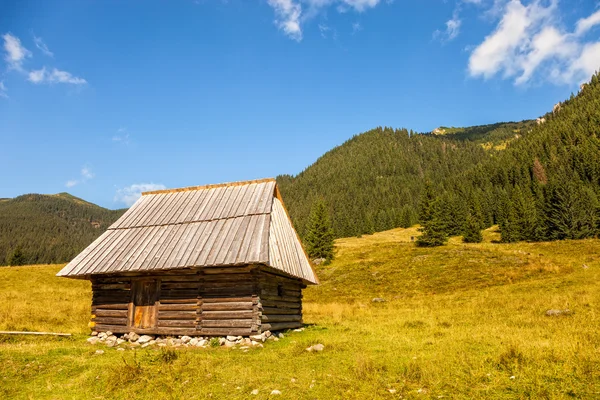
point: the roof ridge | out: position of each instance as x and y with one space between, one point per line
211 186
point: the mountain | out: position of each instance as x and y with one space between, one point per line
373 181
41 229
543 174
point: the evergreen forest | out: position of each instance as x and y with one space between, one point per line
538 180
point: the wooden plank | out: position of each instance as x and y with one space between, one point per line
176 323
223 299
111 321
227 306
162 315
109 306
178 285
277 326
237 314
280 310
229 270
111 286
288 299
279 304
280 318
177 307
174 301
110 313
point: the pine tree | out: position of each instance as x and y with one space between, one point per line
433 227
472 230
319 238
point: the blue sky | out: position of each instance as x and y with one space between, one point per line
104 99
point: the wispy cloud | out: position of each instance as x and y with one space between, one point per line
130 194
452 29
54 76
39 43
16 53
287 18
3 90
122 136
84 175
528 42
290 15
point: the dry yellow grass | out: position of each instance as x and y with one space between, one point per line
460 322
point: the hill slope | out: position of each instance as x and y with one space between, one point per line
50 228
519 175
458 322
373 181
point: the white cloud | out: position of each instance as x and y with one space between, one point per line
130 194
528 43
55 76
122 136
585 24
3 90
85 175
452 29
39 43
290 15
15 52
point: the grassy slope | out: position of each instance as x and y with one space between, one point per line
459 322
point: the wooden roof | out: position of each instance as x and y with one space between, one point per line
205 226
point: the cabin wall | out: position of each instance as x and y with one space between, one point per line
280 302
206 302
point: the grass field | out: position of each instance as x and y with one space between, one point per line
459 322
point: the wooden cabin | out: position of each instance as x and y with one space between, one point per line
208 260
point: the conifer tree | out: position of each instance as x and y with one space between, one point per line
319 237
432 223
472 230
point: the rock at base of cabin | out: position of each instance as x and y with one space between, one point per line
378 300
133 337
145 339
256 338
193 341
280 335
102 335
185 339
94 333
93 340
109 333
119 341
316 347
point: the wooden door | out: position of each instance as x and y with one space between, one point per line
145 297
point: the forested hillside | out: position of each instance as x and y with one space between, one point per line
37 228
373 182
539 182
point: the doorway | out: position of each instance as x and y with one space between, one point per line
144 300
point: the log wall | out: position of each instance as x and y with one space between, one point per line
206 302
280 301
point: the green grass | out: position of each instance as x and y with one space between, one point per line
459 322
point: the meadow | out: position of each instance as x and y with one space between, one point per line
463 321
